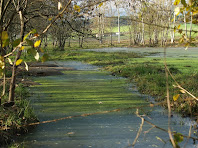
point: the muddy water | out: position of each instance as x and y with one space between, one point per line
88 90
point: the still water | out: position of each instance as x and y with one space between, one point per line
87 90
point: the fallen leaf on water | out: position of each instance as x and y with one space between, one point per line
152 105
100 102
70 133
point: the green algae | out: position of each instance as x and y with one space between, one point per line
78 92
148 72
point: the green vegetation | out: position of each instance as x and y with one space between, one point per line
13 119
152 23
83 92
148 72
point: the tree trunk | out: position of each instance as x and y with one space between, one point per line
185 24
69 42
79 40
155 37
150 36
191 19
135 33
14 68
1 50
130 36
142 40
62 45
111 39
173 32
45 41
82 41
118 25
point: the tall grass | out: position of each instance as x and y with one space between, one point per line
14 118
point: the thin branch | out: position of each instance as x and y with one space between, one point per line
6 7
162 129
140 129
81 31
44 31
14 4
178 85
10 21
168 102
89 114
47 28
97 113
146 132
160 26
189 134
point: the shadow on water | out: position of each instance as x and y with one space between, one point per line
88 90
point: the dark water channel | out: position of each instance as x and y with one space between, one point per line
88 90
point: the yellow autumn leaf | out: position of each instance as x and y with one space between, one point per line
175 97
22 47
18 62
2 63
190 2
4 35
187 45
37 43
178 26
26 36
181 40
177 2
5 38
195 12
1 73
100 4
175 29
77 8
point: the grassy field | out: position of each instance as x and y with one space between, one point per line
91 43
124 29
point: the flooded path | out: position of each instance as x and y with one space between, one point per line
87 90
176 52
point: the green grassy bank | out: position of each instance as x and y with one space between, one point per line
148 73
13 119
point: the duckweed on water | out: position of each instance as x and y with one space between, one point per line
83 92
148 72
